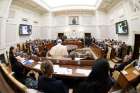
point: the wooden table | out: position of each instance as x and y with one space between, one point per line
68 68
128 79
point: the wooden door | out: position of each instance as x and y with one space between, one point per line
87 34
60 35
137 46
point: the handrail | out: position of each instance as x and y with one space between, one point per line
17 86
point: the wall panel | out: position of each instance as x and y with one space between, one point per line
11 33
0 31
36 33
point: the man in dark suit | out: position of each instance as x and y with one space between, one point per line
47 83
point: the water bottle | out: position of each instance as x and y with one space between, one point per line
78 59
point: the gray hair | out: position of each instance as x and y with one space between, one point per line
59 41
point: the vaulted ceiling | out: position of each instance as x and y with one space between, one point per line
68 5
60 3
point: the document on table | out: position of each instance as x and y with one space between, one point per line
37 66
27 62
124 72
31 60
136 72
24 61
61 70
83 71
77 59
138 68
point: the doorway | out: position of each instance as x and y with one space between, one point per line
88 39
136 46
87 34
60 35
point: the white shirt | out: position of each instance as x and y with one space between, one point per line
59 51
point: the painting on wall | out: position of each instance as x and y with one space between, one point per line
122 27
73 20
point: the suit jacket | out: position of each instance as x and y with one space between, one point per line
51 85
94 87
18 69
16 66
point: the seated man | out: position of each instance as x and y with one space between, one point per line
47 83
16 66
127 60
59 51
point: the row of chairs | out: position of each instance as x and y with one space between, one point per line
98 51
10 84
14 85
101 53
8 81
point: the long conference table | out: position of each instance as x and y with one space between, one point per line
62 67
65 67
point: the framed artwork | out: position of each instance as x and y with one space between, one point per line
73 20
122 27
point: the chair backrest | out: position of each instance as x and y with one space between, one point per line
11 81
77 63
4 87
138 88
2 58
131 64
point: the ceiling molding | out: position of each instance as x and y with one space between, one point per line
31 5
106 5
74 12
42 7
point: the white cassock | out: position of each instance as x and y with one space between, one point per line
58 51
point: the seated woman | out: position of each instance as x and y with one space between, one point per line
47 83
99 80
17 67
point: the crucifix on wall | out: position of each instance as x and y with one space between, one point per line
73 20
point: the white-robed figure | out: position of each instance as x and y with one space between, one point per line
59 50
